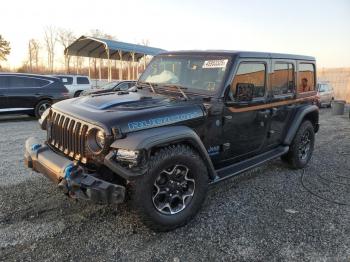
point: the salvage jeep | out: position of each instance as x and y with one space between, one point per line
193 119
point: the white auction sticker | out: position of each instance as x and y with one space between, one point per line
220 63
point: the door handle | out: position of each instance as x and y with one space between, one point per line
274 111
263 114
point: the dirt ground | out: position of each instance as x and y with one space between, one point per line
267 214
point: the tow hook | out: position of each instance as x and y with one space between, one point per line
68 184
77 184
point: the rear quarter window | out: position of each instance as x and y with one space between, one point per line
306 78
83 80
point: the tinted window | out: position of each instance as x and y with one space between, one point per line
4 81
22 81
66 80
82 80
250 73
306 79
322 88
282 79
123 86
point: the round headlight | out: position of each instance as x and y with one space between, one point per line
100 139
96 140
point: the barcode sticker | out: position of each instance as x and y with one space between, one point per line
221 63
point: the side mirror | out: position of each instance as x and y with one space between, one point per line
244 92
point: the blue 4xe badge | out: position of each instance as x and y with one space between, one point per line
160 121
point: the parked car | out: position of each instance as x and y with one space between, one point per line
110 87
75 83
28 93
325 93
197 118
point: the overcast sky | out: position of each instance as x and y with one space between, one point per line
317 28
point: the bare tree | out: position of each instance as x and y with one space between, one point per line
33 54
50 38
65 38
145 42
5 49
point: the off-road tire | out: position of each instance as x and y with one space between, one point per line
293 157
38 107
142 189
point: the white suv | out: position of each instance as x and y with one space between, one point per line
75 83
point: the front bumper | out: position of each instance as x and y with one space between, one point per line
69 176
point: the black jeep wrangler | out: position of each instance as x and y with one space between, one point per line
193 119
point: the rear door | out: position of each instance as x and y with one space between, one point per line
3 92
281 93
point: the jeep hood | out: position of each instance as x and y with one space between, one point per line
130 111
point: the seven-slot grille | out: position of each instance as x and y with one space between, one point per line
68 135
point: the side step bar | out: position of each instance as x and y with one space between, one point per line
238 168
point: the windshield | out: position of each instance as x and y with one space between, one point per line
109 85
197 73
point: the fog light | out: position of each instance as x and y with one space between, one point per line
125 155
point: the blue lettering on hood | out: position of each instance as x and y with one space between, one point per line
160 121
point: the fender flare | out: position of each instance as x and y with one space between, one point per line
298 119
161 136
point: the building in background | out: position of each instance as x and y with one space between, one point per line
339 78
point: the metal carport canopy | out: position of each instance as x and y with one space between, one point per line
95 47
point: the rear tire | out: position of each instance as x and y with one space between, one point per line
173 189
302 146
41 106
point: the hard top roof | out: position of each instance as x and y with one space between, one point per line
243 54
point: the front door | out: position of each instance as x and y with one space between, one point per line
245 120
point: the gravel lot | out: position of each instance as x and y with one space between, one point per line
269 213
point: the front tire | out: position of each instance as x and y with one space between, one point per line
173 189
302 147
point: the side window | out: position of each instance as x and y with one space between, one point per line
66 80
4 81
122 87
22 81
17 81
82 80
250 74
41 82
306 79
282 80
131 84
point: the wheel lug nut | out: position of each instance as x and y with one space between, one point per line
171 194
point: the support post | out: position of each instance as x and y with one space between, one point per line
99 69
121 65
129 70
144 62
133 65
109 66
89 67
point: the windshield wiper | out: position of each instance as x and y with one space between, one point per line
148 84
180 88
